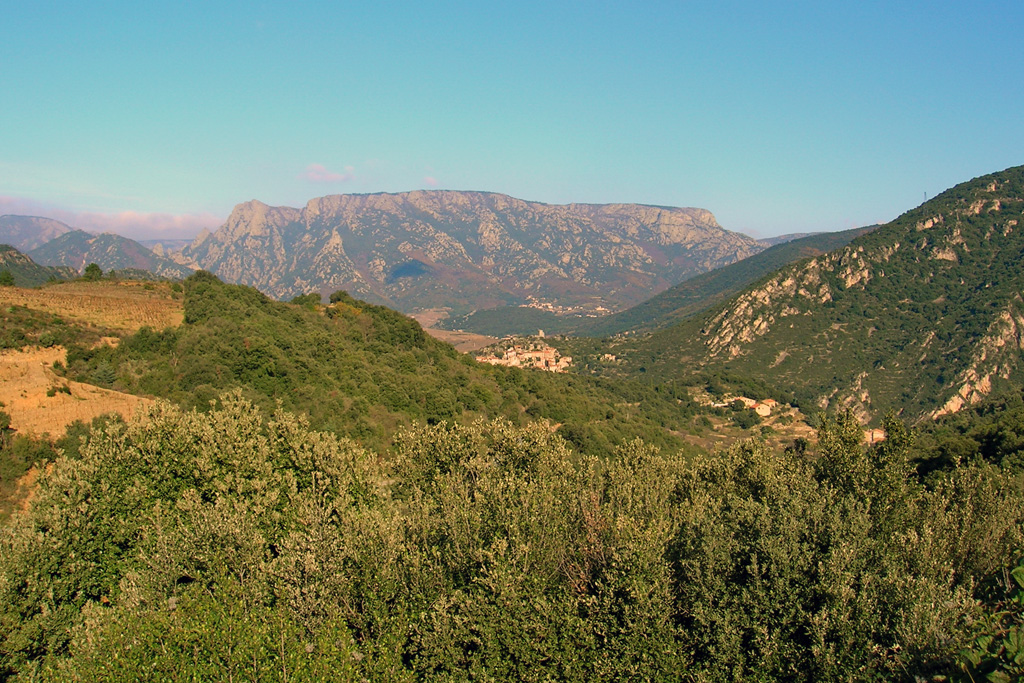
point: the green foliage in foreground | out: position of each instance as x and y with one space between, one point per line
227 545
997 654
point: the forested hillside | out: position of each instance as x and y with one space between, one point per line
238 540
362 370
24 272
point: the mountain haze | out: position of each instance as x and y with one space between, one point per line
466 250
77 248
923 315
26 233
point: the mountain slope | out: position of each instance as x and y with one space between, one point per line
704 291
28 273
25 233
924 314
466 250
699 293
77 248
688 298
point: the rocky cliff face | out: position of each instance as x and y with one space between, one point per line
466 250
924 313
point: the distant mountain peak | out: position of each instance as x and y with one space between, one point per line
25 233
77 248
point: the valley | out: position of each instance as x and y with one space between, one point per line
815 450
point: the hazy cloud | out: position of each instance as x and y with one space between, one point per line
430 181
132 224
318 173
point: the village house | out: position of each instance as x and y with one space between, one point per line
537 356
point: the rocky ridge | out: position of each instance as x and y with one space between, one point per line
466 250
924 312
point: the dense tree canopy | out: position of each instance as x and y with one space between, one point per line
233 544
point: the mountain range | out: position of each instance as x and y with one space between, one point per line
466 250
924 314
77 248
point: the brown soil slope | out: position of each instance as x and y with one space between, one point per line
119 306
26 375
26 379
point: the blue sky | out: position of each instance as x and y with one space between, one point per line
776 116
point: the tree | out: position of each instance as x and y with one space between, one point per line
92 272
6 279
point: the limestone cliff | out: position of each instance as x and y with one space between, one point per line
466 250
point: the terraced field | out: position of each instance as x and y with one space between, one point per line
118 306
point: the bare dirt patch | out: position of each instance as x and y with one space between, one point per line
27 379
462 341
121 306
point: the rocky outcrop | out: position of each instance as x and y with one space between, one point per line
996 356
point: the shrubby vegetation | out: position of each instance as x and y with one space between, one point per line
367 504
992 430
362 371
21 326
233 544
